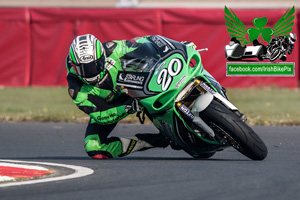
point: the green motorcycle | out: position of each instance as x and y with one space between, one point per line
186 104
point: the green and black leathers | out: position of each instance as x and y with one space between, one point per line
106 105
100 101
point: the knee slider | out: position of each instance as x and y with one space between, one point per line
98 156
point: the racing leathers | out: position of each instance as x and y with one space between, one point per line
105 103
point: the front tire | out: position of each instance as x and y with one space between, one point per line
275 55
243 138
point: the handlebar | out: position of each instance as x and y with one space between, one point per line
205 49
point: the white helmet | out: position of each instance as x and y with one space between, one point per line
292 38
88 58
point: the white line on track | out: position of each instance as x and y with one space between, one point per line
3 164
79 172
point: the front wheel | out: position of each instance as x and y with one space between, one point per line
275 55
237 132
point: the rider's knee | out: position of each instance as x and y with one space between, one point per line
93 148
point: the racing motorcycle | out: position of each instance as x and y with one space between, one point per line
274 53
184 102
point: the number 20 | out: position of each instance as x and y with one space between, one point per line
165 77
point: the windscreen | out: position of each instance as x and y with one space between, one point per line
141 56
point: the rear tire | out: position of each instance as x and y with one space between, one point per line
249 143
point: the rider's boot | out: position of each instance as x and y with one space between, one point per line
156 140
142 142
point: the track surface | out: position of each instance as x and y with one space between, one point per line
156 173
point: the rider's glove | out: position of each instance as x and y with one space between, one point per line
133 108
189 44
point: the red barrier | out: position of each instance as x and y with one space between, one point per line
15 47
54 29
35 41
207 29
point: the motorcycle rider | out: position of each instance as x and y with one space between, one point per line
92 73
284 43
92 69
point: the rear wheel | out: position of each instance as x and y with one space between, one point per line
231 128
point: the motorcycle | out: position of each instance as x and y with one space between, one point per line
277 52
184 102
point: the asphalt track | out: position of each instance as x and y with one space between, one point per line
154 174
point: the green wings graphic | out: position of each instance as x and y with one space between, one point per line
285 24
236 27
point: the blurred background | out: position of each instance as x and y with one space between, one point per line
35 36
152 3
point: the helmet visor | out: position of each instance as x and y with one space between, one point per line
90 72
292 40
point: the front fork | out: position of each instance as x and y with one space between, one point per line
202 102
221 98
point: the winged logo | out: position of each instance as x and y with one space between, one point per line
237 29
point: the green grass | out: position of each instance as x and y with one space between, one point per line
38 104
268 106
264 106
